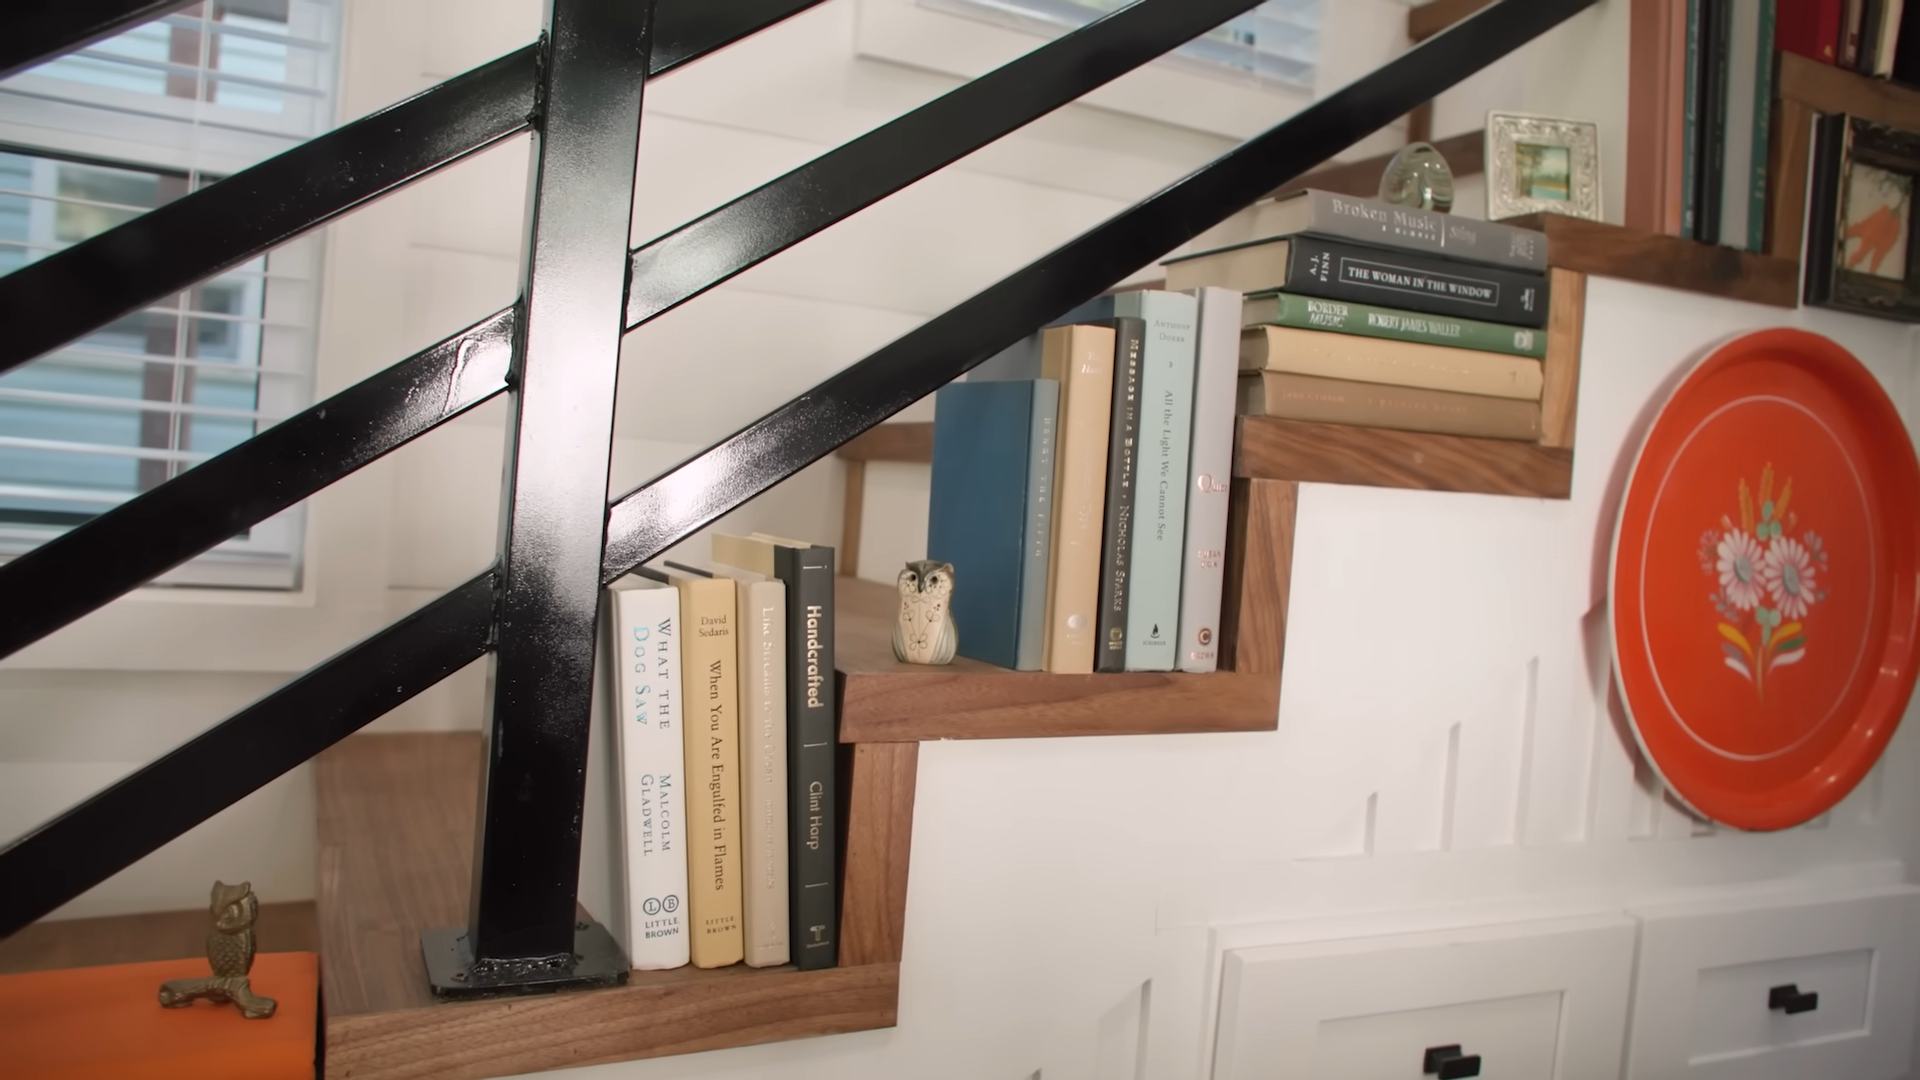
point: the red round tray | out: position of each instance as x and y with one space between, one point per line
1764 602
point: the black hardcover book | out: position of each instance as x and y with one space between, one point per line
1116 546
1906 50
812 806
1871 18
1709 174
1414 282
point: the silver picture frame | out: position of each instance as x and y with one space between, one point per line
1542 164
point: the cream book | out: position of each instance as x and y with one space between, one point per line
644 624
1339 401
710 663
761 628
1396 363
1080 359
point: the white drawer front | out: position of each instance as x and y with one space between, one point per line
1514 1037
1704 1005
1534 1001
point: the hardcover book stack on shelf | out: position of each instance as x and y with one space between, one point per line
1080 488
1365 313
723 698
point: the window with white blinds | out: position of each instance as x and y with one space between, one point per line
1277 42
96 138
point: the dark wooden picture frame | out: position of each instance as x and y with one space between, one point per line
1845 147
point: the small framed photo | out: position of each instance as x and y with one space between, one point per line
1539 164
1861 246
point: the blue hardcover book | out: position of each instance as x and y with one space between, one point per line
982 510
1160 470
1039 530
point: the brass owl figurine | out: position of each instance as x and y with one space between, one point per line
925 633
229 953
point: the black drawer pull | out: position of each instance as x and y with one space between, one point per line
1790 1000
1448 1063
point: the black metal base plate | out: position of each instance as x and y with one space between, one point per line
451 971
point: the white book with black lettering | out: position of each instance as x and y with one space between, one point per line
644 622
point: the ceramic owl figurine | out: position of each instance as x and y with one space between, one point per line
925 633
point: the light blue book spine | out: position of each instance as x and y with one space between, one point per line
1160 494
1039 531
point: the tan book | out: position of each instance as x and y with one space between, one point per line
763 764
1396 363
1080 358
709 656
1340 401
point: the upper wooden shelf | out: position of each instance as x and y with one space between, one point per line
1829 89
1592 247
884 700
1273 449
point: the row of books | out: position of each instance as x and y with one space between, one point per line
1868 36
1726 106
1366 313
723 697
1080 488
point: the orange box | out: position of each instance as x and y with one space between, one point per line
106 1023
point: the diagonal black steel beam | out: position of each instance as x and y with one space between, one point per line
686 262
35 32
72 292
646 521
135 816
137 541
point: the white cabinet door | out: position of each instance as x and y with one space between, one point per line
1534 1001
1779 987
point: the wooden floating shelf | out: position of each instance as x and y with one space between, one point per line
396 816
1273 449
1592 247
884 700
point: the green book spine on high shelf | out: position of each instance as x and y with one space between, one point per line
1367 320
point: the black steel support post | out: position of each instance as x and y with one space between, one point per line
521 933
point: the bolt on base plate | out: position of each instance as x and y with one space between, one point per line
452 972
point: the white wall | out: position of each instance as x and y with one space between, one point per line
1058 885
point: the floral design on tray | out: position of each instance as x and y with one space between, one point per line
1768 571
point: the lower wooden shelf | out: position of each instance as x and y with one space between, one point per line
396 820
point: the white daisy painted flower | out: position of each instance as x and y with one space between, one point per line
1739 566
1787 571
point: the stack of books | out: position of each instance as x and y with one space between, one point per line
1080 485
723 697
1362 312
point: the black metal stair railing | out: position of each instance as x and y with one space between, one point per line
578 91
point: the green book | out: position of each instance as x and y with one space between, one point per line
1347 317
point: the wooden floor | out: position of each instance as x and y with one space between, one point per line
156 935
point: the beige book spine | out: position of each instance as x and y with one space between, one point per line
763 769
1339 401
1080 358
1383 360
710 693
1253 268
753 553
